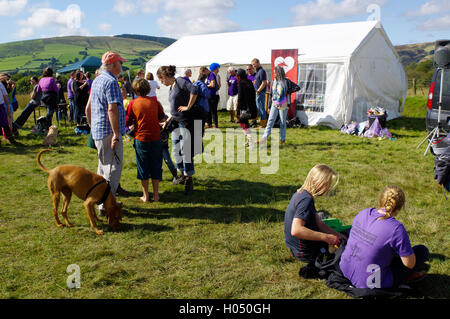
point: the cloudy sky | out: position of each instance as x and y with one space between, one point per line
405 21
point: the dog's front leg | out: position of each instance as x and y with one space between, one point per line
90 210
67 197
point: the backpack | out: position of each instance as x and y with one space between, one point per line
196 111
203 96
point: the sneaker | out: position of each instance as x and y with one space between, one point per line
416 276
179 180
188 186
122 192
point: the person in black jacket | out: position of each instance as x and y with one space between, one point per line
442 167
246 104
81 92
182 97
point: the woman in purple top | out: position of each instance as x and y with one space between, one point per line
49 88
378 252
212 84
232 92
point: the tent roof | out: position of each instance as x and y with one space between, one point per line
89 62
326 42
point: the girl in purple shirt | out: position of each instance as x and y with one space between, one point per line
378 252
49 88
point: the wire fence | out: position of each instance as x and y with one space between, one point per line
418 86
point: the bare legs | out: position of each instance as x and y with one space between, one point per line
145 195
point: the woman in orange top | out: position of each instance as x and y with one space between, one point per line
145 114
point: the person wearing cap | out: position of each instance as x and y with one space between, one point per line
232 92
212 84
106 116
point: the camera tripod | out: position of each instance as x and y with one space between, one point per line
436 131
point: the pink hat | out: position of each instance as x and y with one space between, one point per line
111 57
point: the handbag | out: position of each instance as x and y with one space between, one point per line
245 115
291 87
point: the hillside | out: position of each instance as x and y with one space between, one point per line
62 51
415 53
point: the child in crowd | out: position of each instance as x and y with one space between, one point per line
126 101
145 114
165 151
305 233
378 252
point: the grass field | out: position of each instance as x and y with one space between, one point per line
225 240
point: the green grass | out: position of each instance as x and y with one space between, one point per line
224 241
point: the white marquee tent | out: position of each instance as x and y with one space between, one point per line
344 69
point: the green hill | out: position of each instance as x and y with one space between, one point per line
33 55
415 53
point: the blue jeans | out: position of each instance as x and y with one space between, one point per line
260 104
183 151
23 117
168 159
272 118
72 108
50 111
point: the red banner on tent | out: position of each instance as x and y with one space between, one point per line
288 59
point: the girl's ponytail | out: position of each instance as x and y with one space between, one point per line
391 199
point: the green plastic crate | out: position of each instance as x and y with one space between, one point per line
336 224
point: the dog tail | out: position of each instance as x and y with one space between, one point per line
38 159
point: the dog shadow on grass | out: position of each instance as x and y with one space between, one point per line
147 227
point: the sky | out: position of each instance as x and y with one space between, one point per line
405 21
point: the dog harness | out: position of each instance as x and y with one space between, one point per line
105 194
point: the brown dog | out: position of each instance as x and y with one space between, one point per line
90 187
50 139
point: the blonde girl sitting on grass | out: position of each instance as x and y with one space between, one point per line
378 252
305 233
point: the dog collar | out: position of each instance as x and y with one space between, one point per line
105 194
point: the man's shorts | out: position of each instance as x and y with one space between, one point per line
232 103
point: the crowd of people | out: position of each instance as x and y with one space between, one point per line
376 237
